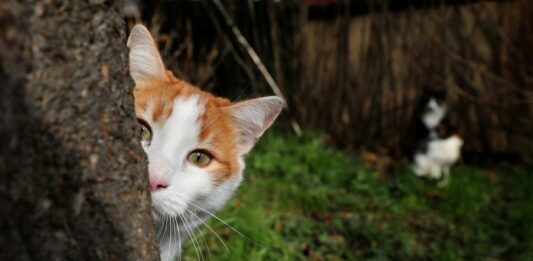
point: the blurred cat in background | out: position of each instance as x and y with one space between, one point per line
441 146
195 143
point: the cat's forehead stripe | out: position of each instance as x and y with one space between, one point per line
161 111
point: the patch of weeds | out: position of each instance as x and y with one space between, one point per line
301 200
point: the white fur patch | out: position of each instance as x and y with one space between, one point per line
190 187
434 115
440 156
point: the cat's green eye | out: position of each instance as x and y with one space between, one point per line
146 135
146 132
199 158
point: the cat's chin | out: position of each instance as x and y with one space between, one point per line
159 214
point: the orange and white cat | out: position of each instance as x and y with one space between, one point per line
195 142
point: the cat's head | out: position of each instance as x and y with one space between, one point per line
195 142
434 96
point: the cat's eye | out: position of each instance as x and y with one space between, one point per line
199 158
146 132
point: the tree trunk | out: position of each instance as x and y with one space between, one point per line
72 175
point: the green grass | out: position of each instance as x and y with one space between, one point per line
303 201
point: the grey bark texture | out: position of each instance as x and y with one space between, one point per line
72 173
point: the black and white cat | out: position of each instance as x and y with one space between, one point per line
441 146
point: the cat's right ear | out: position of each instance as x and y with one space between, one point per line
145 62
252 118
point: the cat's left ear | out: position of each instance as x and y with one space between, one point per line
252 118
145 62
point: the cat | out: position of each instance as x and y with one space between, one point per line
441 146
195 142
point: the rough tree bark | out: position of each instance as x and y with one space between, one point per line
72 175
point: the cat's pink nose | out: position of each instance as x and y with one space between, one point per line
159 170
157 184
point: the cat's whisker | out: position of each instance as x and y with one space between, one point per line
159 231
190 233
185 227
177 228
206 244
179 239
228 225
164 229
165 220
194 238
170 232
212 231
188 212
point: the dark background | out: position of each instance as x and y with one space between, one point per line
357 70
